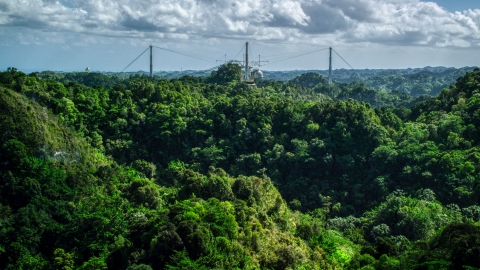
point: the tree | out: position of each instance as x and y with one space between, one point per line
225 74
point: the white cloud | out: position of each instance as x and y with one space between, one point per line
416 23
291 11
401 22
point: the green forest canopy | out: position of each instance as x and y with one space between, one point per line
199 173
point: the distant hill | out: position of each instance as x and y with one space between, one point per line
414 81
418 81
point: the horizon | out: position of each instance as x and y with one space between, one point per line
200 70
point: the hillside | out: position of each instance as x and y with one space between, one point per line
202 173
65 205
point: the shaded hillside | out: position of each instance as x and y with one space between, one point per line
64 205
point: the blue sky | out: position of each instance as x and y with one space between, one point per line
106 35
458 5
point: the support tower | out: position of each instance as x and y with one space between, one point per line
151 60
330 67
247 72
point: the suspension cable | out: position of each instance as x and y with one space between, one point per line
198 58
342 59
295 56
135 59
273 57
239 52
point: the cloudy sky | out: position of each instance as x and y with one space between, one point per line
106 35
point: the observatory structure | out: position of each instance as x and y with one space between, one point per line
250 72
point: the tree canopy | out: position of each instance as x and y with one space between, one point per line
109 172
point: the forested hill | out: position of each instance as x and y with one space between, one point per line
413 81
102 172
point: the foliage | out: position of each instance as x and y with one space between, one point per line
109 172
227 73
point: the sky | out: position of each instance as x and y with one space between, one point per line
107 35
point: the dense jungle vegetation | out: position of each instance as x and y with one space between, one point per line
104 172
